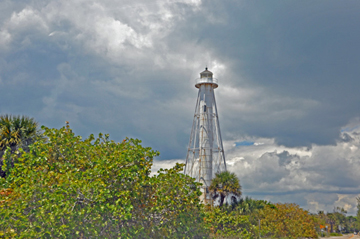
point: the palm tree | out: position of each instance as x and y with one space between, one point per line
224 184
16 132
332 220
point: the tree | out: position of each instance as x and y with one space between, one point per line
249 206
341 222
333 220
16 132
320 220
358 212
224 184
352 223
228 224
287 221
67 187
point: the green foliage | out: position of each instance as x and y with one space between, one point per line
286 221
249 206
358 213
16 132
224 184
252 208
239 220
335 219
176 206
224 224
351 224
66 187
334 234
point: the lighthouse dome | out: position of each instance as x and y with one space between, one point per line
206 77
206 74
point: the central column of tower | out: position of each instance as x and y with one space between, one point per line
206 92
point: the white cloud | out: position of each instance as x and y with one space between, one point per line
164 164
5 38
27 18
28 22
323 176
118 32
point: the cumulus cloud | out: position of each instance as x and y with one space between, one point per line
164 164
317 178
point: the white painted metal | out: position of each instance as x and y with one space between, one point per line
205 155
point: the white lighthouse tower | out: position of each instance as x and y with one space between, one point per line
205 155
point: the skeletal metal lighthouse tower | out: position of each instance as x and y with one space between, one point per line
205 155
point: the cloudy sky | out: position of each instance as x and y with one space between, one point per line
288 95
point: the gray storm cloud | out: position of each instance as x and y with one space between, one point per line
287 75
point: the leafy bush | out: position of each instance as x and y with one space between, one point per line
224 224
16 132
286 221
66 187
334 234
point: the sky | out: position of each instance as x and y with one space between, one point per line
288 96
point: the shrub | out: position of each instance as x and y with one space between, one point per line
74 188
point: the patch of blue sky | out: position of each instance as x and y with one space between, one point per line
349 129
244 143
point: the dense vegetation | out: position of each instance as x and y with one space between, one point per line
69 187
337 221
63 186
17 132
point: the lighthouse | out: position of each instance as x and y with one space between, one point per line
205 154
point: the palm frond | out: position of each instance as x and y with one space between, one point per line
17 131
